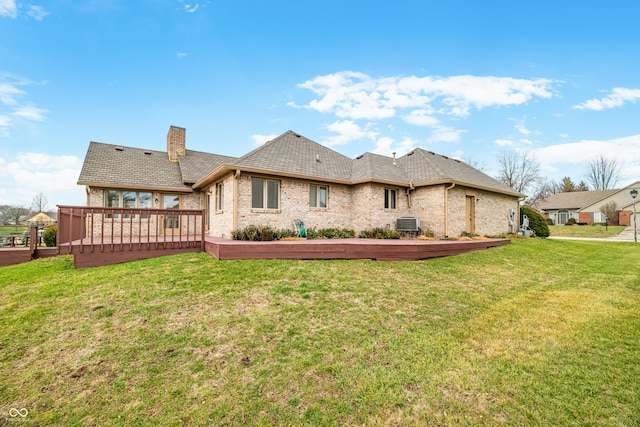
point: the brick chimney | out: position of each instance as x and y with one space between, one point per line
176 142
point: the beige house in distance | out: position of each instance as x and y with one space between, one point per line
292 177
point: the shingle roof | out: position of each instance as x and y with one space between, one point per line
425 166
294 154
195 165
128 167
574 199
374 166
290 154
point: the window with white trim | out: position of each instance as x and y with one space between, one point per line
127 199
390 198
220 196
265 193
318 196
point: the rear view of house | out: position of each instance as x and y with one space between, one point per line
292 177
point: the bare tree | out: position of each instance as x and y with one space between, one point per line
543 190
14 213
518 171
39 203
609 210
603 173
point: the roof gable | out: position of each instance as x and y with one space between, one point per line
370 166
293 154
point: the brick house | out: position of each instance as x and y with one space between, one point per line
585 206
292 177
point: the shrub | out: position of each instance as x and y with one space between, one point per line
536 221
571 221
49 236
263 233
380 233
330 233
549 221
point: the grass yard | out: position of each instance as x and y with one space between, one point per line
539 332
585 230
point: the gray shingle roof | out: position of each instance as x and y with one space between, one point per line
574 199
294 154
128 167
371 166
425 166
290 154
195 165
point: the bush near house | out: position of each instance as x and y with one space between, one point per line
49 236
536 222
380 233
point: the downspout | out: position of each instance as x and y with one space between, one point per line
236 202
411 188
446 210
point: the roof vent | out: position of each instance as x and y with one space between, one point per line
297 135
119 148
360 156
148 153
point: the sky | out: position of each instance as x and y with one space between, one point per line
559 80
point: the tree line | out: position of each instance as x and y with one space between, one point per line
12 214
522 172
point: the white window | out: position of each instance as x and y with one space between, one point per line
318 196
127 199
220 196
389 198
265 193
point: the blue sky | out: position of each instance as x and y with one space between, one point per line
466 79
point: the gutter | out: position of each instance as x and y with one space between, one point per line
446 210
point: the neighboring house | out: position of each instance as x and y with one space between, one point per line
584 206
292 177
42 219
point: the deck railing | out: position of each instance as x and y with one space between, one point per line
106 229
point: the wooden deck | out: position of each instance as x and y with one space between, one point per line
376 249
112 245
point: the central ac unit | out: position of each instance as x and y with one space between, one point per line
407 223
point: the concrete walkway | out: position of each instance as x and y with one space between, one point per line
625 235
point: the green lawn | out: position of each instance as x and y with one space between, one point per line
585 230
539 332
10 230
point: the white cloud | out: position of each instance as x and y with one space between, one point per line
9 93
30 113
520 127
192 8
420 118
15 109
616 98
8 8
33 173
262 139
503 142
386 146
181 55
356 95
37 12
625 150
347 131
446 134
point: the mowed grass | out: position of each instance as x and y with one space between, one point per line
539 332
585 230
